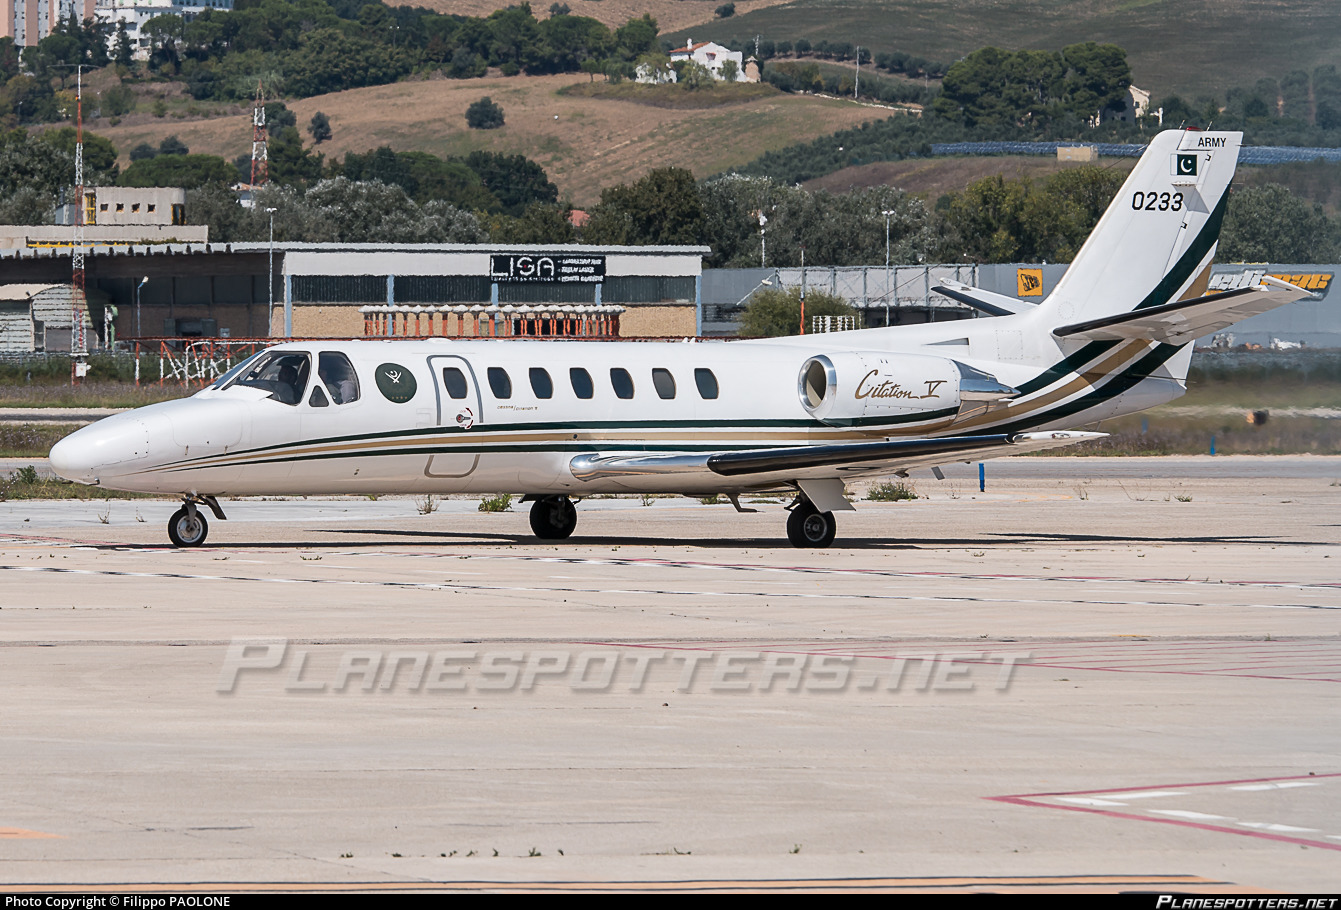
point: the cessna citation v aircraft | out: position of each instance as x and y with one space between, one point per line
561 420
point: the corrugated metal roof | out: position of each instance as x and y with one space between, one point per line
196 249
22 292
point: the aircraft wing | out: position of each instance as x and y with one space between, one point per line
1186 320
763 467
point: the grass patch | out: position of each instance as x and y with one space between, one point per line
32 440
500 503
1192 436
88 395
891 492
1190 48
26 484
672 95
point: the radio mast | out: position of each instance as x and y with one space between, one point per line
78 299
260 164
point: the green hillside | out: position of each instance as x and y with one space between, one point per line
1186 47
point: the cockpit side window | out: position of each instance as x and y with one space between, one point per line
282 374
338 375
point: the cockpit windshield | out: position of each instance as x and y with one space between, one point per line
283 374
227 378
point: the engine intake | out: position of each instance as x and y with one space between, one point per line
848 387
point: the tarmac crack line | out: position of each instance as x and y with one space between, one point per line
449 586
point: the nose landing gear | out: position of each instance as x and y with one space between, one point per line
187 527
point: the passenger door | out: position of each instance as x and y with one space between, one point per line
459 408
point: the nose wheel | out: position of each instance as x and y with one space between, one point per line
553 518
188 527
807 526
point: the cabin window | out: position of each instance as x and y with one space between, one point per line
541 384
622 382
583 387
663 382
338 375
706 382
500 382
455 382
282 374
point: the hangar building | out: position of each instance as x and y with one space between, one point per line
327 290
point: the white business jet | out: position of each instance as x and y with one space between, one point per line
557 421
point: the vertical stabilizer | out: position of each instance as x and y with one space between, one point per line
1159 234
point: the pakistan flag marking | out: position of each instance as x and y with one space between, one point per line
396 383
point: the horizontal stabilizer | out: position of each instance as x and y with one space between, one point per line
761 466
983 301
1186 320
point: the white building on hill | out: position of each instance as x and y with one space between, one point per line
29 21
135 13
712 56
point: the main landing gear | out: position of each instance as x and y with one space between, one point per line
187 527
807 526
553 517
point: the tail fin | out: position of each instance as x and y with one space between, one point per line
1155 243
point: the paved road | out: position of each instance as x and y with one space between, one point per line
1121 689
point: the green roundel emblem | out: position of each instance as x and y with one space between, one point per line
396 382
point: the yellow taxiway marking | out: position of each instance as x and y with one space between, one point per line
24 834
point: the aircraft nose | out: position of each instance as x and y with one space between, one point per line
70 458
88 455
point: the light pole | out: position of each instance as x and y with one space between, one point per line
142 283
763 250
270 274
888 213
137 327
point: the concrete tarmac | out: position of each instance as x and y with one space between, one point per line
1100 674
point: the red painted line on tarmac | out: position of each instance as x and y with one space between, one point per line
1033 799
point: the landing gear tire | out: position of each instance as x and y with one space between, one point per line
809 527
553 518
188 528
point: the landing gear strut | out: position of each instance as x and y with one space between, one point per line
553 517
187 527
807 526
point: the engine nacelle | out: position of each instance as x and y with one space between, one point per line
843 388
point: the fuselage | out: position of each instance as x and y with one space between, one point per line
440 416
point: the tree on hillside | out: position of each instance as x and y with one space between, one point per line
171 145
124 52
423 177
1097 78
189 171
994 88
1000 220
289 162
516 181
776 312
541 223
661 208
99 153
320 127
1268 223
484 115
